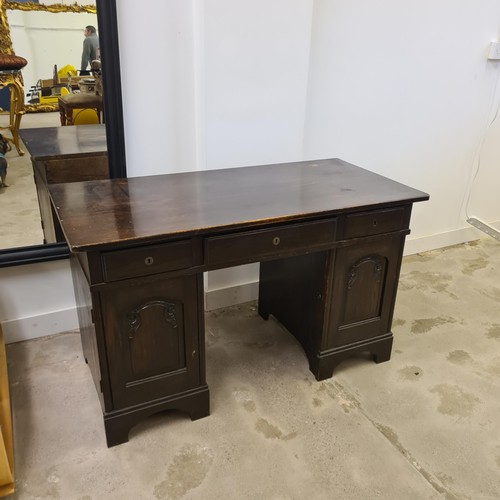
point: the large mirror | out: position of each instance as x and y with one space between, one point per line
112 103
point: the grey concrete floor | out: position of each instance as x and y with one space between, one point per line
425 425
19 201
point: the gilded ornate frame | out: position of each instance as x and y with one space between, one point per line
6 42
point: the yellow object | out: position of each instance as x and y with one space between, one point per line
60 90
63 72
6 441
49 99
53 98
85 116
5 471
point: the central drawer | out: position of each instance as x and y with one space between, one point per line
253 246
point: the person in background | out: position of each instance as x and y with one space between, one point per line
90 48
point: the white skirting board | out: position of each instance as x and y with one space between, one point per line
225 297
441 240
17 330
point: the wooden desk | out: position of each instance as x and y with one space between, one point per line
329 237
64 154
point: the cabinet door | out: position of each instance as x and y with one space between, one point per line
152 332
364 290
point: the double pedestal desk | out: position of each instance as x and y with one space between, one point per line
329 237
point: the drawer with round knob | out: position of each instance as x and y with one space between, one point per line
152 259
253 246
375 222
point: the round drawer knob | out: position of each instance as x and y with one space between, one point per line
276 241
148 261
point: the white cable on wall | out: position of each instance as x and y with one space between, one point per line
477 156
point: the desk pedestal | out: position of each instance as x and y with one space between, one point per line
152 333
336 303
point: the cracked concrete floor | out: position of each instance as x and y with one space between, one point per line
424 425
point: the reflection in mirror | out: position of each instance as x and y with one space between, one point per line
47 37
46 42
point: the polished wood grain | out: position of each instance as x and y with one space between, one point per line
54 142
64 154
185 204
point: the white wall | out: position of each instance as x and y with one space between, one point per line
256 69
36 300
399 87
405 89
157 43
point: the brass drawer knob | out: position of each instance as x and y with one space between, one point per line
276 241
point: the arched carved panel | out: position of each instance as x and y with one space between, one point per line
155 338
364 289
134 317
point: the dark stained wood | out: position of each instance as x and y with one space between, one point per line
88 336
152 344
152 259
64 154
329 236
254 246
294 290
54 142
375 222
185 204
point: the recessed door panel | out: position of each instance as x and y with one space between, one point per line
152 338
364 290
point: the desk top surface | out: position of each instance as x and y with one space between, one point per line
73 141
103 213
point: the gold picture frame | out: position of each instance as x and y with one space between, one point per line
5 40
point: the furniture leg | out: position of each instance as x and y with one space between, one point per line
62 114
323 365
117 424
13 81
16 113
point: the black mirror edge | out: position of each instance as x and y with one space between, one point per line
33 254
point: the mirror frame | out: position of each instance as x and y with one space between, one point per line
115 137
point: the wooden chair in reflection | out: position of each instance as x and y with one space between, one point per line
86 106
